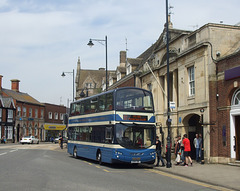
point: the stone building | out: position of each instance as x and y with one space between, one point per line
193 56
90 82
29 118
127 72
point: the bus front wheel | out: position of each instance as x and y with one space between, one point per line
75 153
99 157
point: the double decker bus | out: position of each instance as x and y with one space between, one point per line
117 126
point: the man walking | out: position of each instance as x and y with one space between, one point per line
159 151
196 144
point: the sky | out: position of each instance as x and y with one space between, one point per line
40 39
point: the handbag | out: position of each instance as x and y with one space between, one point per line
178 158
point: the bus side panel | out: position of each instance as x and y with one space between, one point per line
90 152
70 147
107 154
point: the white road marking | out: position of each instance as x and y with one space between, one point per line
13 151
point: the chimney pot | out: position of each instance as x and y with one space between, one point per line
15 85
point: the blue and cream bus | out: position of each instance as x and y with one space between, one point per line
113 127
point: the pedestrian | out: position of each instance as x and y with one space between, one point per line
181 153
187 150
196 144
159 151
177 144
177 150
60 141
200 146
3 140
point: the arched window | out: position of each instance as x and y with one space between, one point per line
36 132
236 98
30 130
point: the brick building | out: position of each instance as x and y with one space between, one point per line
54 116
29 117
7 118
225 110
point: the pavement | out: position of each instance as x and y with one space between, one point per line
222 175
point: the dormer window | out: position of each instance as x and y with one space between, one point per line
110 81
89 85
118 75
129 68
192 40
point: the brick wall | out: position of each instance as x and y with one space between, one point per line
220 107
54 109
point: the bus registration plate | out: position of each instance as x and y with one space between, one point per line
136 160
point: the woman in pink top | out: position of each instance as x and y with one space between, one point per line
187 150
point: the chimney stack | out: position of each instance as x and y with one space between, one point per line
1 82
15 85
123 57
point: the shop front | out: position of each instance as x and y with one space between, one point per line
53 131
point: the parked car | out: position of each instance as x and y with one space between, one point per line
56 140
29 140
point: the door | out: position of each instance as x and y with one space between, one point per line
237 138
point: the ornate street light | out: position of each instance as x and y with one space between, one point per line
63 75
169 164
90 43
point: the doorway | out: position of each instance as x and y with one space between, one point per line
237 137
193 129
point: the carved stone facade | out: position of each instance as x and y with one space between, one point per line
193 57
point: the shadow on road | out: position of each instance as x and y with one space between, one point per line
118 165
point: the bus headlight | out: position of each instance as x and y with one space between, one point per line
152 153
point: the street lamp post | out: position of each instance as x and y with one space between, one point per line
63 75
169 165
90 43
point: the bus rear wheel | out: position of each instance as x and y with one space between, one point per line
75 153
99 157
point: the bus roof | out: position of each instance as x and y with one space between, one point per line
109 91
